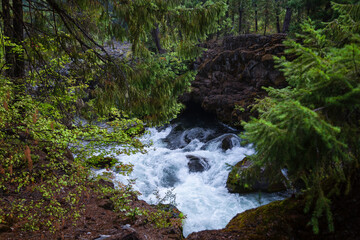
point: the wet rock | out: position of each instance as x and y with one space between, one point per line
281 220
174 139
197 164
180 137
227 143
246 178
234 72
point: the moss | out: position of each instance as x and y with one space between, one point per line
246 177
100 162
277 220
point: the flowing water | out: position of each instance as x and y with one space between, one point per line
189 157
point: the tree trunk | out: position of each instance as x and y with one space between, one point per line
8 33
256 18
265 26
233 18
19 68
287 19
266 20
277 12
155 35
13 31
241 10
278 24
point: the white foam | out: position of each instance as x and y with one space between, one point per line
201 196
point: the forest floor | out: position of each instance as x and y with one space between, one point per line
60 200
99 221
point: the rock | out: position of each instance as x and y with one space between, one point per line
197 164
246 177
126 235
102 237
174 212
280 220
234 72
286 220
174 138
227 143
180 137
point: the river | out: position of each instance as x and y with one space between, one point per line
189 158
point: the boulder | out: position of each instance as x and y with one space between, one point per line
197 164
226 143
246 178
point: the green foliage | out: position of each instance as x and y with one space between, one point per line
70 76
100 162
35 159
311 127
178 24
123 199
153 86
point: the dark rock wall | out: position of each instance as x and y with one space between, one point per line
233 72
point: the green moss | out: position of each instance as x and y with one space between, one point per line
100 162
277 220
246 177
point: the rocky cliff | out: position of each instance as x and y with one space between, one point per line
232 72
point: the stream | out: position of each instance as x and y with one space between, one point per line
189 158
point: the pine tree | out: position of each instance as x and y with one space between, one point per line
311 127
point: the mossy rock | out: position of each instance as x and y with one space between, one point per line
246 177
100 162
277 220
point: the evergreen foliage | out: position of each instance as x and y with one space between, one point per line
311 127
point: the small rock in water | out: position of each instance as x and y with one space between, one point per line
197 164
226 143
229 141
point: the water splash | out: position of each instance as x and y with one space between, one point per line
202 196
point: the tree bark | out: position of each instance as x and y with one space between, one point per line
277 12
278 24
155 35
8 33
241 10
256 18
287 20
265 25
19 67
13 31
